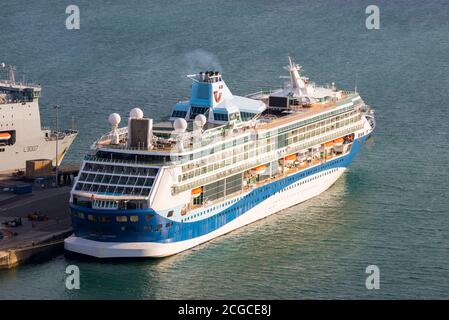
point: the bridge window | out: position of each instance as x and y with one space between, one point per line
220 116
179 114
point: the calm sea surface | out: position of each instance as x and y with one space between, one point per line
390 209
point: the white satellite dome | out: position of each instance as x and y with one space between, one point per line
200 120
3 65
136 113
114 119
180 124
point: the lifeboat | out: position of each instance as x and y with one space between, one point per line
259 169
291 157
328 144
197 191
5 136
339 141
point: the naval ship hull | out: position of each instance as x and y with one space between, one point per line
22 138
14 157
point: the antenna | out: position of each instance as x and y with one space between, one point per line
355 85
192 77
12 73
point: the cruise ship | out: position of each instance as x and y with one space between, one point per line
21 135
220 162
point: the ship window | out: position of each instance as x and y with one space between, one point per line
104 219
179 114
134 218
220 117
121 218
107 179
91 217
149 216
123 180
246 115
148 182
117 190
170 213
194 111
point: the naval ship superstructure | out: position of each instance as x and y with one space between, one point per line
21 135
220 162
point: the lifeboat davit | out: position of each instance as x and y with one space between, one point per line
5 136
259 169
339 141
197 191
291 157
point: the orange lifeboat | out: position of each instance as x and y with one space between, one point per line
339 141
291 157
197 191
329 144
259 169
5 136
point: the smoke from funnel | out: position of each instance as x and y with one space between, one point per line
200 60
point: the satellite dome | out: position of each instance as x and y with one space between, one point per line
3 65
200 120
114 119
180 124
136 113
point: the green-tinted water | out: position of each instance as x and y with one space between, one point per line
390 209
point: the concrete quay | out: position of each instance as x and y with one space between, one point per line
33 240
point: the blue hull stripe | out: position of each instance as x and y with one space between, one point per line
163 230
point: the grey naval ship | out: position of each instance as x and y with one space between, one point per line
21 135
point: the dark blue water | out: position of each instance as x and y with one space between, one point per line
390 209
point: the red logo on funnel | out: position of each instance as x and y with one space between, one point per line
217 96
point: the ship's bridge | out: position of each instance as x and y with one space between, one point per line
12 91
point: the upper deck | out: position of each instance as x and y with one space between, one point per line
214 119
12 91
165 137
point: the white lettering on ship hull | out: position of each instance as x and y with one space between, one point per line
30 148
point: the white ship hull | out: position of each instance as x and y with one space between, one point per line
275 203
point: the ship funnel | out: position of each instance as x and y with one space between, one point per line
140 130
